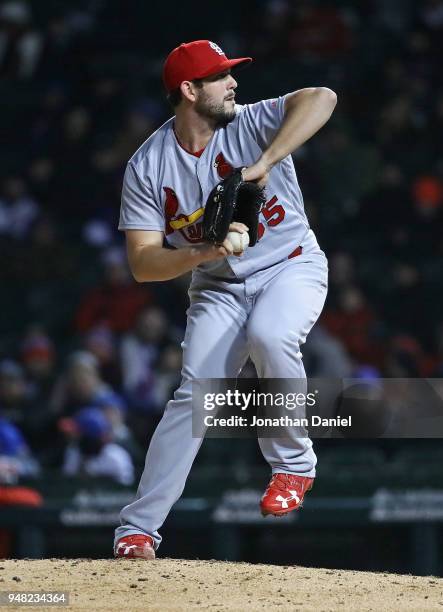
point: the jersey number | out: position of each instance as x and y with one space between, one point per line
273 213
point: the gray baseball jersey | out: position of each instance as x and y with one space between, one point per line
165 188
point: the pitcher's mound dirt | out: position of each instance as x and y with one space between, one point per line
180 585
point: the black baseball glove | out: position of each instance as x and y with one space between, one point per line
233 199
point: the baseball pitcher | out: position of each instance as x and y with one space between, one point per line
198 182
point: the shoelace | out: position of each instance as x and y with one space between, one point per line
287 480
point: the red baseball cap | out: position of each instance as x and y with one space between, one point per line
196 60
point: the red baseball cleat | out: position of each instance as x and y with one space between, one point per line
284 493
136 546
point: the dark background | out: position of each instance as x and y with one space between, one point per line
80 90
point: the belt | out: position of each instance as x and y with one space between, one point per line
295 252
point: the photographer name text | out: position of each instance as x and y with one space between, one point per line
282 421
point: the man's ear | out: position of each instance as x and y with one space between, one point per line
189 91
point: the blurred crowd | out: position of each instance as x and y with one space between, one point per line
88 357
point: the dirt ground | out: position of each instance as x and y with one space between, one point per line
179 585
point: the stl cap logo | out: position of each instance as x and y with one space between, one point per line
216 48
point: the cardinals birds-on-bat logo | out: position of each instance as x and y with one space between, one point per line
177 222
185 224
224 168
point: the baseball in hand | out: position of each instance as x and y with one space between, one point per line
239 241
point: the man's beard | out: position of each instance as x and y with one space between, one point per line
214 112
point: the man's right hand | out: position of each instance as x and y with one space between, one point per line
212 252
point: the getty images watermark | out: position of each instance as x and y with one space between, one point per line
290 401
317 407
